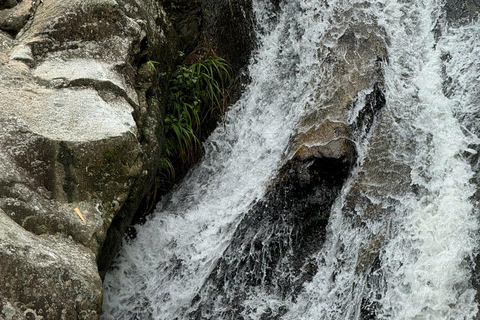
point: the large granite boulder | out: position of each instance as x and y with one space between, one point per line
80 129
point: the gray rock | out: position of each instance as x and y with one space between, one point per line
461 10
7 4
73 155
46 277
14 16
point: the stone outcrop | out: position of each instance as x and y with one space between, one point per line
224 26
229 28
45 276
80 130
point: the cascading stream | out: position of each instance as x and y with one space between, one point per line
157 275
429 277
402 235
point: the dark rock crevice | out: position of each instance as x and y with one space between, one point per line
15 15
66 158
8 4
273 246
152 95
374 103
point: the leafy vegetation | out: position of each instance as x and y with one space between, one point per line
197 91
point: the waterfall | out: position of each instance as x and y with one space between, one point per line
158 274
402 234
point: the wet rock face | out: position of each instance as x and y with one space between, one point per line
460 13
328 140
187 19
224 26
229 26
80 123
272 246
461 10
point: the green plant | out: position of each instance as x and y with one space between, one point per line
213 74
196 91
152 64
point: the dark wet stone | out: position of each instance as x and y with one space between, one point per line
271 247
461 10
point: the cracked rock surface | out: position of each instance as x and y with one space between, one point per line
74 99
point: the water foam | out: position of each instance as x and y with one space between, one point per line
403 249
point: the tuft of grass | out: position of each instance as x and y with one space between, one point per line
152 64
196 91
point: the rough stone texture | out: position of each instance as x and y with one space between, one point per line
229 28
187 19
188 31
224 26
46 277
14 15
158 44
353 68
328 140
80 129
461 10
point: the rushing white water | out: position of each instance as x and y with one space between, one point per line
429 278
404 249
157 275
428 224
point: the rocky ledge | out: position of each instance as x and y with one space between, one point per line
78 142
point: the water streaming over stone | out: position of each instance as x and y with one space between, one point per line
402 234
159 273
